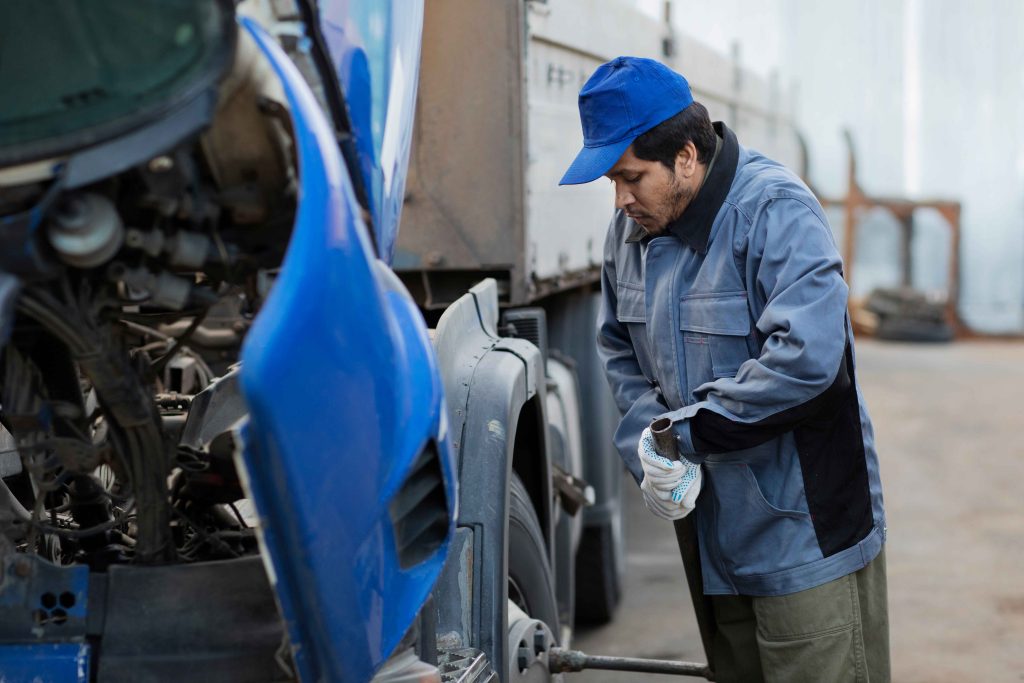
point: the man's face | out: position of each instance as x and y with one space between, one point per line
650 193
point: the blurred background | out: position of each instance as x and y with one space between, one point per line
932 93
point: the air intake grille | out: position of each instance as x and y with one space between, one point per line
419 511
530 324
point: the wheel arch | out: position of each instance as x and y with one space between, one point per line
496 395
531 461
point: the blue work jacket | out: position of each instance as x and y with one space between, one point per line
734 325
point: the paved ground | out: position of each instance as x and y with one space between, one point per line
949 429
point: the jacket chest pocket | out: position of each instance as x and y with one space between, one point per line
630 308
715 330
631 312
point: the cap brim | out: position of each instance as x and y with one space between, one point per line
593 162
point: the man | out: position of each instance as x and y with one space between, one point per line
725 311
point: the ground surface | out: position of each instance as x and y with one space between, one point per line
950 434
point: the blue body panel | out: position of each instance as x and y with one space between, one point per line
53 629
344 393
375 50
45 663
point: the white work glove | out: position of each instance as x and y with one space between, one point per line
670 487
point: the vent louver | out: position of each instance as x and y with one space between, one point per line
530 324
419 510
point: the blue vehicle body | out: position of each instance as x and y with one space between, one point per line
45 663
346 453
375 50
339 374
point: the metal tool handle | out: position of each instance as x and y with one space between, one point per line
568 661
664 439
686 535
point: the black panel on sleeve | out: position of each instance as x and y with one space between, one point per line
835 472
830 444
714 433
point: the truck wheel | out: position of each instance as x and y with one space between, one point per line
531 585
599 571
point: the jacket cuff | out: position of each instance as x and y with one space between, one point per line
685 441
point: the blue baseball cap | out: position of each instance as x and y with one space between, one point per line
624 99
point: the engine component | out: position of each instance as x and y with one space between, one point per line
222 327
182 375
216 482
10 463
216 410
90 506
76 455
164 289
85 230
183 248
247 148
121 390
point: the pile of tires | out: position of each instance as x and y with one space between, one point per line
905 314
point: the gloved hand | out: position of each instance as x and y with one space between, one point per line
670 487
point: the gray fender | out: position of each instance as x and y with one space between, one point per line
495 393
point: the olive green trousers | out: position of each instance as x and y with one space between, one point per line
832 633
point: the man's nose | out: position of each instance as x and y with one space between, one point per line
623 198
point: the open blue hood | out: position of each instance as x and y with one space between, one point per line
375 51
347 452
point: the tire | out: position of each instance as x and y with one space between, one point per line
531 584
914 330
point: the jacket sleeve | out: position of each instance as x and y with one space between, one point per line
804 369
639 400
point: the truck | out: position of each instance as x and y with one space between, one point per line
252 430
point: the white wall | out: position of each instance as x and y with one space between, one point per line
719 24
933 91
971 144
845 58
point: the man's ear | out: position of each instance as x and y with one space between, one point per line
686 160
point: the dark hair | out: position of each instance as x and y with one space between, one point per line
663 142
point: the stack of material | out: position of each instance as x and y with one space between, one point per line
905 315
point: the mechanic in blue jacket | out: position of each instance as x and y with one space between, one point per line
725 310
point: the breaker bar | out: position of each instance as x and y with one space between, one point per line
568 661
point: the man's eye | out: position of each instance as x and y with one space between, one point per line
631 179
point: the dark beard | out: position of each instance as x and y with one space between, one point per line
681 197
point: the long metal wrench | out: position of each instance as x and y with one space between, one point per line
567 661
686 537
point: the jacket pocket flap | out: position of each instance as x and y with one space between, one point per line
715 314
630 306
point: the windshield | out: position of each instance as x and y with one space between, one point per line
77 72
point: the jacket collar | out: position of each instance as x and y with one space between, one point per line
694 226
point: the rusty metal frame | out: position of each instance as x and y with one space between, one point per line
857 202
